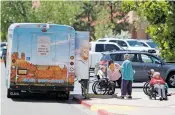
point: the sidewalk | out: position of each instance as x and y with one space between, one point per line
140 104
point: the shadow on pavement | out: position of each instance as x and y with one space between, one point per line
39 98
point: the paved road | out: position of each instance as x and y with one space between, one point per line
39 106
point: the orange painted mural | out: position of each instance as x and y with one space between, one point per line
37 74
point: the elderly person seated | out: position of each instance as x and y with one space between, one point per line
159 85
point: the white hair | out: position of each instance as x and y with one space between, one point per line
156 74
126 56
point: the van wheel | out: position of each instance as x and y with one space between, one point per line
171 80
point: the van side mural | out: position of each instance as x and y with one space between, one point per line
82 54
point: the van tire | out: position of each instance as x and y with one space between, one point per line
169 81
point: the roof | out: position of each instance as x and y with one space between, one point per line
116 39
126 51
103 43
145 40
14 25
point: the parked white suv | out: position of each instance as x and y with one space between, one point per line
96 49
128 44
150 44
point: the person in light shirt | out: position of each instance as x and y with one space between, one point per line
113 73
101 72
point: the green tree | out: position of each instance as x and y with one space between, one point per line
100 18
160 16
49 12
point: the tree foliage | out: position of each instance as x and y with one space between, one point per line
49 12
160 16
94 16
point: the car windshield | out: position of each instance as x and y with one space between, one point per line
152 44
134 43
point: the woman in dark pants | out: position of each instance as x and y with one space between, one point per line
127 77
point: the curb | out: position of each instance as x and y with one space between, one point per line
82 102
99 112
104 112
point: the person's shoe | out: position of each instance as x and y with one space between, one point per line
169 94
129 97
160 98
121 97
165 99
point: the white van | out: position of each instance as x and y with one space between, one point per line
45 58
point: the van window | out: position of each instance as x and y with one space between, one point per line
105 57
143 44
111 47
99 48
135 57
122 43
114 41
117 57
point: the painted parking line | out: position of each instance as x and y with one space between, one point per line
96 107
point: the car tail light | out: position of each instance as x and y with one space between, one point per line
103 62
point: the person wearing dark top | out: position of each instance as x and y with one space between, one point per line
4 55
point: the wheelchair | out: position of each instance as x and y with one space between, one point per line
149 90
103 86
152 93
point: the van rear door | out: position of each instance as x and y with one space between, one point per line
82 55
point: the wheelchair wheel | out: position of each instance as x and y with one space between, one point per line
146 88
111 88
93 87
99 90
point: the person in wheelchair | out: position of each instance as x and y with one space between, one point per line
158 85
104 82
150 74
101 73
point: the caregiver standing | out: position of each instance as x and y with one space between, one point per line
127 77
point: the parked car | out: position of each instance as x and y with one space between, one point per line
3 44
128 44
150 44
96 48
2 49
104 47
142 63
